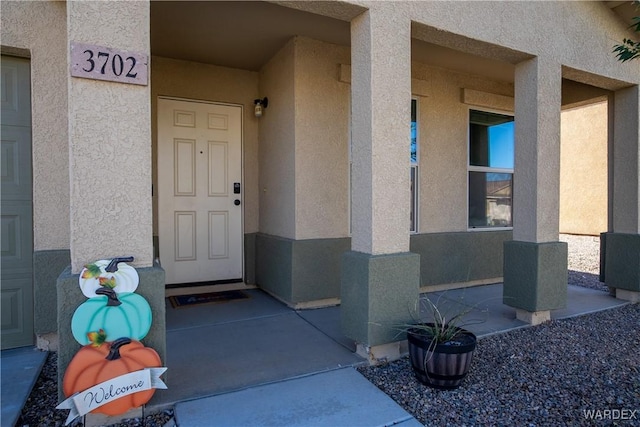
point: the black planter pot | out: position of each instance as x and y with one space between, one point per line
443 365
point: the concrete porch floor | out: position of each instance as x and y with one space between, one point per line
487 315
223 347
214 349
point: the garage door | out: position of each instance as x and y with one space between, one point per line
16 211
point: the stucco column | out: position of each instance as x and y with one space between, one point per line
380 133
380 278
109 163
535 263
109 141
622 254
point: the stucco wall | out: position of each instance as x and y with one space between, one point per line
322 144
322 137
278 145
583 170
192 80
41 28
572 39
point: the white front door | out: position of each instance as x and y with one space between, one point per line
200 191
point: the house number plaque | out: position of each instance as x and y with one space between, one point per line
104 63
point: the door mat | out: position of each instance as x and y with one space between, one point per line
208 298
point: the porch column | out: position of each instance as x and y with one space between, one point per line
622 253
380 278
535 262
109 161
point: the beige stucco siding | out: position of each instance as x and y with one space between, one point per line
41 28
319 202
278 145
191 80
322 136
583 170
571 39
301 189
442 151
579 35
322 127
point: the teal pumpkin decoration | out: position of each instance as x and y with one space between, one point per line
119 315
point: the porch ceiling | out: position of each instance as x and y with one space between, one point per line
236 34
246 34
624 9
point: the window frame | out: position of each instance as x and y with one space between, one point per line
414 167
487 169
349 173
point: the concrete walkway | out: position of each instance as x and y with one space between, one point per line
341 397
20 370
487 315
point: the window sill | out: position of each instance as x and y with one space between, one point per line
481 229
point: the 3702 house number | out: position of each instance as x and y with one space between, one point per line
116 62
103 63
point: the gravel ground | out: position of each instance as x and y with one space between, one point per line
584 261
545 375
548 375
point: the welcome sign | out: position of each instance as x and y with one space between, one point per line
86 401
113 372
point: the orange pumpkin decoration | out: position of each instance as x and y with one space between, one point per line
94 364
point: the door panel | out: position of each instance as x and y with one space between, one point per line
218 235
16 219
185 236
218 161
199 161
185 168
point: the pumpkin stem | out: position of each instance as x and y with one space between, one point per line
112 297
114 351
97 338
112 267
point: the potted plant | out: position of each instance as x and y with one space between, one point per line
440 349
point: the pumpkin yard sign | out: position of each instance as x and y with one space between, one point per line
113 372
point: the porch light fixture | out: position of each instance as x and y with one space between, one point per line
261 104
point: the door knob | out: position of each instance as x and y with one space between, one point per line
236 202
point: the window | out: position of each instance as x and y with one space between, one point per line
491 158
414 166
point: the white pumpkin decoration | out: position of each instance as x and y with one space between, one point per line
112 273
